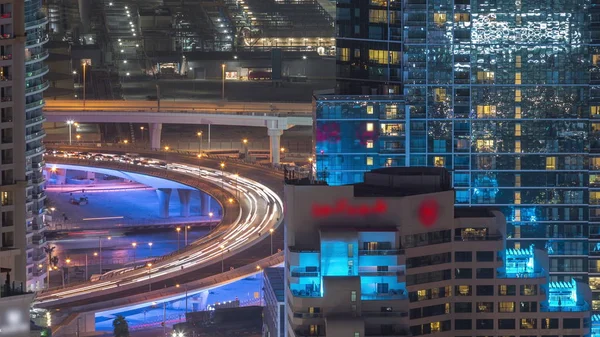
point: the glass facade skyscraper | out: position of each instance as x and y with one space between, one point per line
501 93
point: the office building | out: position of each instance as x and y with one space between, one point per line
15 300
274 309
393 256
501 93
22 83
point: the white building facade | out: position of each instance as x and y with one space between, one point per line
393 257
23 35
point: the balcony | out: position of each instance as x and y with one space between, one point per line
37 88
381 252
37 57
37 73
384 314
38 22
478 238
35 135
39 240
36 41
35 105
372 271
391 295
39 196
304 272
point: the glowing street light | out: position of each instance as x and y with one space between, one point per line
271 230
134 245
178 229
150 245
69 123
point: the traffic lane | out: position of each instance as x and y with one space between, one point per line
251 256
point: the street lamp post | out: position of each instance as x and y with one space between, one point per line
223 82
222 175
150 245
199 134
185 235
237 191
222 258
134 244
142 128
178 229
100 250
271 230
78 137
84 67
149 265
210 215
69 123
68 261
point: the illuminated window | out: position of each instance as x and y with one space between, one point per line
369 144
380 16
518 244
595 127
517 78
528 323
594 283
379 3
439 161
369 161
447 308
595 198
463 290
353 296
506 306
461 17
594 111
518 61
394 57
484 111
369 109
435 326
485 145
440 94
517 146
314 329
517 129
517 198
550 163
378 56
422 294
517 95
517 180
595 59
485 76
344 54
595 163
370 127
517 215
517 163
517 112
391 111
439 18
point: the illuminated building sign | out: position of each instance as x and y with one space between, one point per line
341 207
428 212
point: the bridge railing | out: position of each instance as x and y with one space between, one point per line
108 147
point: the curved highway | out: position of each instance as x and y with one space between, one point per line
260 209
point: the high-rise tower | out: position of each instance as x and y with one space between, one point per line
501 93
23 34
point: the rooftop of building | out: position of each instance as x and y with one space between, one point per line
324 97
275 277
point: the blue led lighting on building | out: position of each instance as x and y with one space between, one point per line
505 95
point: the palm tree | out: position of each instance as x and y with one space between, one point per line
120 327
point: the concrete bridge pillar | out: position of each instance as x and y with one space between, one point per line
164 196
204 203
275 145
184 201
155 131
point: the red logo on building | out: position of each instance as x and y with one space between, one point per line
343 207
428 212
